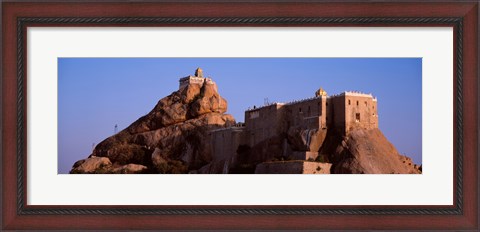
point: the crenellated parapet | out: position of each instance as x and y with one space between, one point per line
198 79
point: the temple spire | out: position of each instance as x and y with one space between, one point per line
320 92
199 72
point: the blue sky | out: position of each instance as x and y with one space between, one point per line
94 94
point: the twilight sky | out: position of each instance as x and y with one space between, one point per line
94 94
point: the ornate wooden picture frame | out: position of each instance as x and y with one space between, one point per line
17 16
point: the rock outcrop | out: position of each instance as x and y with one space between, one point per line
103 165
172 138
91 165
369 152
301 139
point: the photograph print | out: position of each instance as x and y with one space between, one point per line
240 115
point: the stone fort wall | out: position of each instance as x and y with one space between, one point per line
351 110
342 112
225 142
263 123
309 113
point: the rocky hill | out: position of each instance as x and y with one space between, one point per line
172 138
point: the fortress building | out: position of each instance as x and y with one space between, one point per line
296 129
341 112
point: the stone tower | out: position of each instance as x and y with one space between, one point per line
199 72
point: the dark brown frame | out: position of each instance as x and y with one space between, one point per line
462 16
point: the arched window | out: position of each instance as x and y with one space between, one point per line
357 103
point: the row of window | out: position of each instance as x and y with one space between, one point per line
349 103
366 104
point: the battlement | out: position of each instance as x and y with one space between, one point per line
302 100
255 108
354 94
197 79
318 96
192 79
293 102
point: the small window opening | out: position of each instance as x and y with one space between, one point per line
365 103
348 102
357 117
300 110
357 103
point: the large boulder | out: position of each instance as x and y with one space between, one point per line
209 101
91 165
130 169
369 152
301 139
